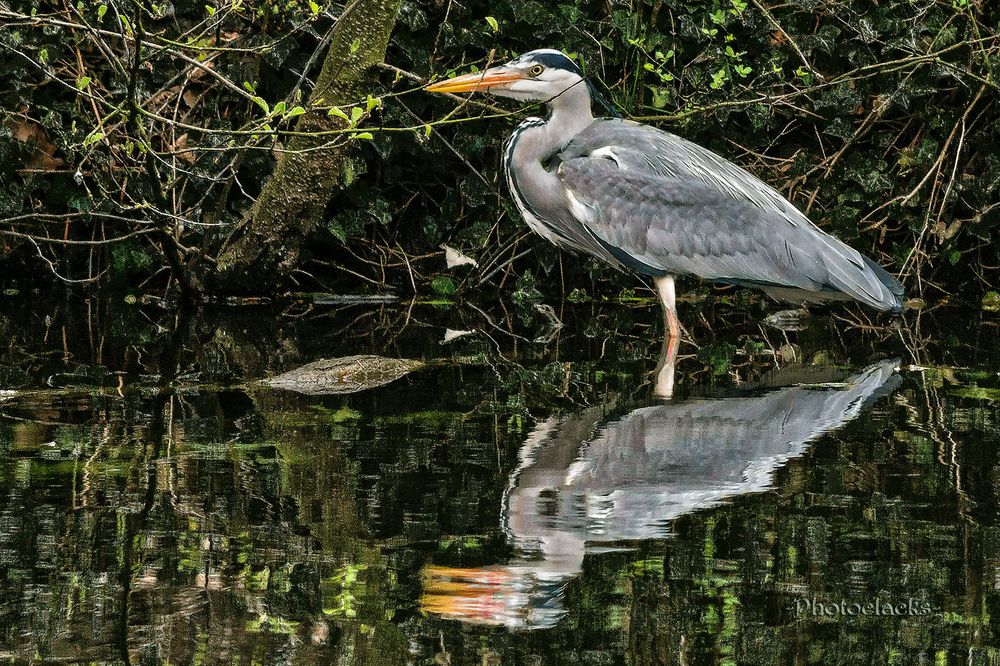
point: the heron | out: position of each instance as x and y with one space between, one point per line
647 201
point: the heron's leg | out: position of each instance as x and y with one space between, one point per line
663 386
664 383
668 299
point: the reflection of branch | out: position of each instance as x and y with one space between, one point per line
52 266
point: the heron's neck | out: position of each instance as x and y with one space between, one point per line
570 114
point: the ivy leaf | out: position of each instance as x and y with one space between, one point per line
262 104
336 111
443 285
93 138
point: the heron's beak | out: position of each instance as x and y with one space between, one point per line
491 78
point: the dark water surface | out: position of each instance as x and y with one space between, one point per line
828 496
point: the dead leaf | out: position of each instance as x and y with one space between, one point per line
179 148
453 258
161 97
43 156
197 73
451 334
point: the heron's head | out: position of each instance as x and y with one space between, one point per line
537 76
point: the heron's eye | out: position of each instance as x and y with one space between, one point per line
536 70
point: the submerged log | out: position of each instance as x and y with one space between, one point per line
350 374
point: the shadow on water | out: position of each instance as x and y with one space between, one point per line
457 474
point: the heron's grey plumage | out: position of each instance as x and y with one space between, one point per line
643 199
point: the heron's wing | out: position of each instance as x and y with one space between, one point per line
661 204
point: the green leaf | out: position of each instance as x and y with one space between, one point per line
372 103
262 104
295 111
83 82
364 135
443 285
336 111
250 87
355 45
356 114
279 108
313 7
93 138
492 22
991 301
101 11
210 9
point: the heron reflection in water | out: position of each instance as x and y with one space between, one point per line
584 482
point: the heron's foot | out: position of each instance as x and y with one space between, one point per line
788 320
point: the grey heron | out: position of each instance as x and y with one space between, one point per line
648 201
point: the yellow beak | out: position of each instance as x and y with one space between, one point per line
491 78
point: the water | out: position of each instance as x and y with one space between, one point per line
519 498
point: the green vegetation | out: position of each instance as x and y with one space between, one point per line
144 133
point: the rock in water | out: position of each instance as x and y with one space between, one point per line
350 374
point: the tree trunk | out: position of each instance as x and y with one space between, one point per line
264 249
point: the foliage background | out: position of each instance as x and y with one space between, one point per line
878 119
209 518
